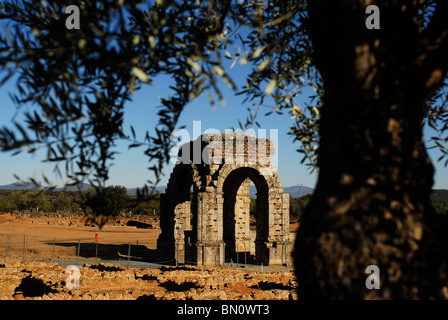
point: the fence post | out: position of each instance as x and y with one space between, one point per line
8 243
177 254
223 253
96 251
129 253
245 251
52 249
6 248
25 240
286 254
219 255
237 255
78 252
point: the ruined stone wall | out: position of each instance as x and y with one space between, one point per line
218 222
222 148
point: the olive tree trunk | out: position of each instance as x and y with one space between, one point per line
372 204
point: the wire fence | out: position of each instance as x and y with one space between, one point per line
140 254
31 248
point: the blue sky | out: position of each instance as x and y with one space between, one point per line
130 166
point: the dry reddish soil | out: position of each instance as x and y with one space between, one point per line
40 233
35 280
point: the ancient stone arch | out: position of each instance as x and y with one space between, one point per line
205 211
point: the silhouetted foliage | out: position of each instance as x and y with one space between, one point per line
441 207
298 205
109 201
112 201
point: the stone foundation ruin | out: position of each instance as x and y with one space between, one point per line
205 211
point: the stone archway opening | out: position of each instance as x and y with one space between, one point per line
242 243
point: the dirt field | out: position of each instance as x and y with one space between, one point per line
25 239
40 232
75 228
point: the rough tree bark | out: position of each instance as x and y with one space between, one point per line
372 199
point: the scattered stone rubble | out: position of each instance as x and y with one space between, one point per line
46 281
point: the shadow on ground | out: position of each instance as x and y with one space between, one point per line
33 287
118 252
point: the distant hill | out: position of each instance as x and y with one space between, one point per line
298 191
78 187
133 191
29 187
294 191
18 186
82 187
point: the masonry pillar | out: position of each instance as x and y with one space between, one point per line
182 224
278 244
210 247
